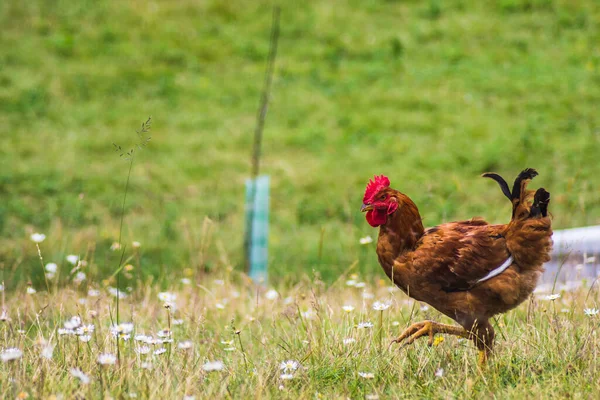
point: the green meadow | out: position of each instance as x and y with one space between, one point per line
429 93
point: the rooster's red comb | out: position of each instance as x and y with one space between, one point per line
374 186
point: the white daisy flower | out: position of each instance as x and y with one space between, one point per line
142 350
73 323
348 341
351 282
11 354
272 294
289 365
37 237
51 268
348 308
167 297
286 377
107 359
213 366
116 292
366 375
185 345
136 245
439 373
186 281
590 312
77 373
379 306
552 297
366 240
360 285
72 258
47 352
364 325
160 351
31 290
85 338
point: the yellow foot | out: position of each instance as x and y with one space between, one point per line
428 328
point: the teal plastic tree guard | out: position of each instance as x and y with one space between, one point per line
259 227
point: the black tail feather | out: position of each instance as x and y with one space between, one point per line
501 182
540 203
528 174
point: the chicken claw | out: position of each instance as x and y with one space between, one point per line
429 328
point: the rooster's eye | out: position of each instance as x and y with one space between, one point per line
383 197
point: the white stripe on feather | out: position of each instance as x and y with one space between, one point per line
498 270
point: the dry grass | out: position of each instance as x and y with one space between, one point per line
545 349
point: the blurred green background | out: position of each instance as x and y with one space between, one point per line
430 93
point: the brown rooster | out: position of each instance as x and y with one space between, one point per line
467 270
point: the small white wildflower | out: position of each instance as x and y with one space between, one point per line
167 297
79 277
65 331
136 245
93 293
73 323
439 373
220 306
589 260
229 349
395 323
366 375
115 246
379 306
142 338
308 314
351 282
213 366
85 329
85 338
4 316
30 290
366 240
47 352
107 359
552 297
160 351
1 287
38 237
72 258
348 341
372 396
367 295
360 285
11 354
185 345
272 294
364 325
143 350
235 294
49 275
146 365
227 342
289 365
51 267
77 373
424 308
348 308
163 333
116 292
590 312
186 281
286 377
177 322
188 397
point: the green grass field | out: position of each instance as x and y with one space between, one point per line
546 349
430 93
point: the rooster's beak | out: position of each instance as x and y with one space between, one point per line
366 207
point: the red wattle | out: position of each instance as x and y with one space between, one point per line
376 217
